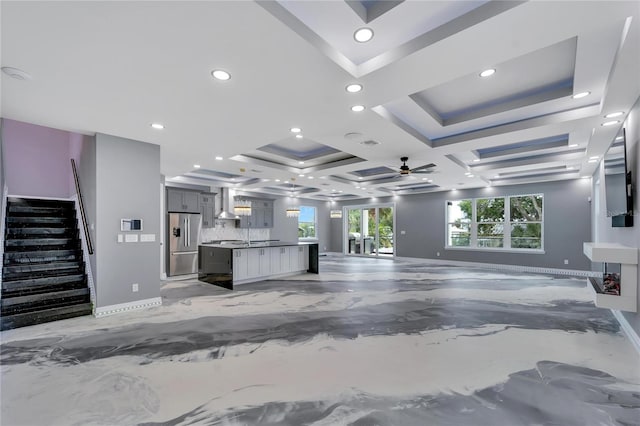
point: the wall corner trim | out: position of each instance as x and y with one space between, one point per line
125 307
627 329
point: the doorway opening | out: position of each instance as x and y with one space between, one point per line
369 230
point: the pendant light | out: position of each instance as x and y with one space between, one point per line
242 208
293 211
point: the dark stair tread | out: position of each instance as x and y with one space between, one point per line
8 322
37 221
40 267
39 202
43 297
40 256
31 231
35 283
12 209
19 242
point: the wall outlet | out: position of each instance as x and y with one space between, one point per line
134 287
438 254
403 232
566 261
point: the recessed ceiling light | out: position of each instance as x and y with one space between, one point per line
614 114
360 177
16 73
286 181
221 75
277 180
301 175
197 166
218 158
295 130
310 177
424 178
475 160
354 88
454 190
357 187
157 126
357 108
298 136
300 162
594 157
619 138
585 177
363 35
496 176
487 73
593 161
469 175
573 145
610 123
581 95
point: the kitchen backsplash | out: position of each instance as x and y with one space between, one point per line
224 230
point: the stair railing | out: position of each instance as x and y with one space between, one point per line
81 202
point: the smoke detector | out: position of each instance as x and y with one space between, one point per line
16 73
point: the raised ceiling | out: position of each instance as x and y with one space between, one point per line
117 67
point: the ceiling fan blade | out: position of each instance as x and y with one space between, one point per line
426 166
422 172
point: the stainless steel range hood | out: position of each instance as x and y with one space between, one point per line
226 206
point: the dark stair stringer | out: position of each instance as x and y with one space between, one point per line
43 271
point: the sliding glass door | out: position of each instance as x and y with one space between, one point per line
369 230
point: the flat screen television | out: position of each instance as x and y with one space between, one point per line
617 181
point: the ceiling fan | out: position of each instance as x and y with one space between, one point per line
405 170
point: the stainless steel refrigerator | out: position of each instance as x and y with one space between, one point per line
184 233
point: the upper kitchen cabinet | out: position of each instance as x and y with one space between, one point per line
207 209
183 201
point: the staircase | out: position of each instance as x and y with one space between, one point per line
43 273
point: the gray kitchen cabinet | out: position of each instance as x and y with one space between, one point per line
207 209
183 201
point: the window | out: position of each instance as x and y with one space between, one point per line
307 226
459 223
513 222
526 221
490 221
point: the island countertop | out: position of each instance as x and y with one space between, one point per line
259 244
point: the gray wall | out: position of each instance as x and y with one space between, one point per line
286 229
127 186
603 231
567 222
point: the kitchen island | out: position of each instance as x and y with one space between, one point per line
228 265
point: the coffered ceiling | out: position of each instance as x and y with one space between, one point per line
118 67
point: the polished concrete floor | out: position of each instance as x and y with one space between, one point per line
366 342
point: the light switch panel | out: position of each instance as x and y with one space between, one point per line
131 238
120 238
147 238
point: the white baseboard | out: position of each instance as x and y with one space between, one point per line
627 329
125 307
504 267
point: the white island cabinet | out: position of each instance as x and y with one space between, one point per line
232 264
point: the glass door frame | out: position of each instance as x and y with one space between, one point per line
360 242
